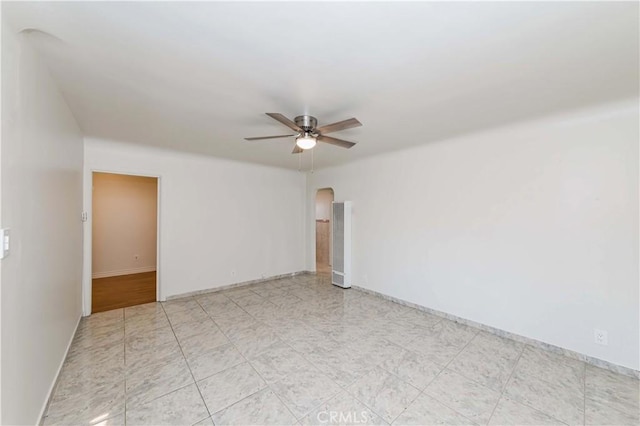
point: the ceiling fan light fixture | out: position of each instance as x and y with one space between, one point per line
306 141
307 134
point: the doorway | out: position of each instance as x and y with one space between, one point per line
324 200
124 240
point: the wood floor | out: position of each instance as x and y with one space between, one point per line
122 291
323 269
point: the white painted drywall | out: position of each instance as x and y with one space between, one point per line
2 134
531 228
324 198
221 222
124 224
41 203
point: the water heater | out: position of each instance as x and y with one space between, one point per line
341 259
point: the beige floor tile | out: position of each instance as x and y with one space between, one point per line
187 316
383 392
560 400
301 346
230 386
154 380
302 391
200 344
598 413
214 361
277 361
466 397
183 304
488 360
619 392
425 410
261 408
188 329
180 407
342 409
510 412
551 367
412 367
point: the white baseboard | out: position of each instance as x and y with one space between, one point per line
509 335
123 272
47 401
235 285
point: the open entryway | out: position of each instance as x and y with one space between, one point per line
124 240
324 200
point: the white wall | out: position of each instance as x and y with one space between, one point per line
324 198
532 228
3 131
41 203
221 222
124 224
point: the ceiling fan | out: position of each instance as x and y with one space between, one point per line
307 133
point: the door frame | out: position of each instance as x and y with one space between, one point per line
87 269
315 239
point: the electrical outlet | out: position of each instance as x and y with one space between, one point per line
600 337
5 241
233 273
365 279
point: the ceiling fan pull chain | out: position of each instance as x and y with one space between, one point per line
312 160
300 162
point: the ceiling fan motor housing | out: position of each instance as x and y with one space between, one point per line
306 122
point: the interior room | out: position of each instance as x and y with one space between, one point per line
124 240
405 213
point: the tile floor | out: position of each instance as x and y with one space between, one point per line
300 351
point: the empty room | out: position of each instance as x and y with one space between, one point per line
320 213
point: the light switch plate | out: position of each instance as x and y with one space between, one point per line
5 242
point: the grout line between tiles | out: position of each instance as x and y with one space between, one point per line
235 347
248 362
319 371
269 385
504 387
502 394
596 362
312 290
438 375
176 389
187 363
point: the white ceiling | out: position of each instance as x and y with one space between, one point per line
199 77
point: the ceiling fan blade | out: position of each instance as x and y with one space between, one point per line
284 120
334 141
340 125
297 150
267 137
